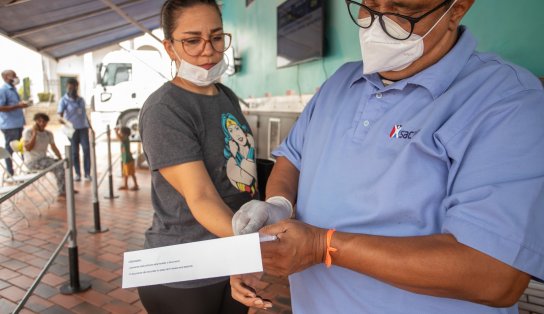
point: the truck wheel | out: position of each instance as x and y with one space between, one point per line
130 120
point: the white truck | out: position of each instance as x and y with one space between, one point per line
124 80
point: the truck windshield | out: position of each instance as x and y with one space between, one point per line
116 73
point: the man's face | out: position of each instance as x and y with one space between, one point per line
41 123
9 77
436 43
71 88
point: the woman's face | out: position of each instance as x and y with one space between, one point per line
196 21
237 134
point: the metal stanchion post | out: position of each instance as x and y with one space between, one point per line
75 285
110 174
96 205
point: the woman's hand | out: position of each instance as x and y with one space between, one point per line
233 148
243 291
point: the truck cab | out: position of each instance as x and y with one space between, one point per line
124 81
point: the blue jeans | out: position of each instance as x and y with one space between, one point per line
81 137
11 135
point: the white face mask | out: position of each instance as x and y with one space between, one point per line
382 53
15 81
198 75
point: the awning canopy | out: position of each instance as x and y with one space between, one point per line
61 28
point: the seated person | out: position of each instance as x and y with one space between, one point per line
36 141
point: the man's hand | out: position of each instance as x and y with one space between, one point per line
253 215
243 290
298 247
23 104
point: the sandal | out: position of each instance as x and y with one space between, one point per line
123 188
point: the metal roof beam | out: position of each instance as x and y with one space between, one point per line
130 19
39 28
67 42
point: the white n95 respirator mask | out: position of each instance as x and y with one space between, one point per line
382 53
198 75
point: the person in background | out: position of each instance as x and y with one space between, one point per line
36 141
417 176
12 119
72 108
127 161
182 132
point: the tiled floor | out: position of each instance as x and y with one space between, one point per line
100 254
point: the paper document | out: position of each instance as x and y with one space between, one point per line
190 261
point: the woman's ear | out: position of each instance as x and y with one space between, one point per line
169 47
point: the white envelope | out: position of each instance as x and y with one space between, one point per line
190 261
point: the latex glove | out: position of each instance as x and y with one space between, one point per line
254 215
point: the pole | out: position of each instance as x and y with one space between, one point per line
110 174
75 285
96 205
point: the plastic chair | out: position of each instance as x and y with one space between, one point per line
21 167
4 190
16 179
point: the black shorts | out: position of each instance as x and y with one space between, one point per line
213 299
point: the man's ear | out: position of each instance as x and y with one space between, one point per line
458 11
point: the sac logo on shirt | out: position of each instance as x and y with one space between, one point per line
397 132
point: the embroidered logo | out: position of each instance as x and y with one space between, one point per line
397 132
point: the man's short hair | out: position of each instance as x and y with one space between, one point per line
41 115
72 81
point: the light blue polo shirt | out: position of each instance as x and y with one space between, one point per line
74 111
10 119
457 148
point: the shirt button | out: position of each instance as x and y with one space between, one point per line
366 123
379 95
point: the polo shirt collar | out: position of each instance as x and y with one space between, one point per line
7 86
439 76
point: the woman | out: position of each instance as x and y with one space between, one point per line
184 142
240 153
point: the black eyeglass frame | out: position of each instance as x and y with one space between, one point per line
412 20
206 41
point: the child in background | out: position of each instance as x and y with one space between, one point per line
127 161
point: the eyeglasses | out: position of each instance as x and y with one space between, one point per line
194 46
364 16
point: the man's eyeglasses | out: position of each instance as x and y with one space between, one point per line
364 16
194 46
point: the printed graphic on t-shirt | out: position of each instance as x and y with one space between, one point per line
240 154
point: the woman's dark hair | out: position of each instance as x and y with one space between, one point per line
41 115
125 131
171 9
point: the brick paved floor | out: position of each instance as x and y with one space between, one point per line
100 255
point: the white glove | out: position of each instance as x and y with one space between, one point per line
254 214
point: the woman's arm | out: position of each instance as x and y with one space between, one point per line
192 181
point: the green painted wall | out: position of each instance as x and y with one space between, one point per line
511 29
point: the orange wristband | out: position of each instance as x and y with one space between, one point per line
329 248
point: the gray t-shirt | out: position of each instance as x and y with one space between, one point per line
178 126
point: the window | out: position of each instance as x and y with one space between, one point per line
116 73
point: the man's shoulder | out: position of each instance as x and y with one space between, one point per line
505 77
